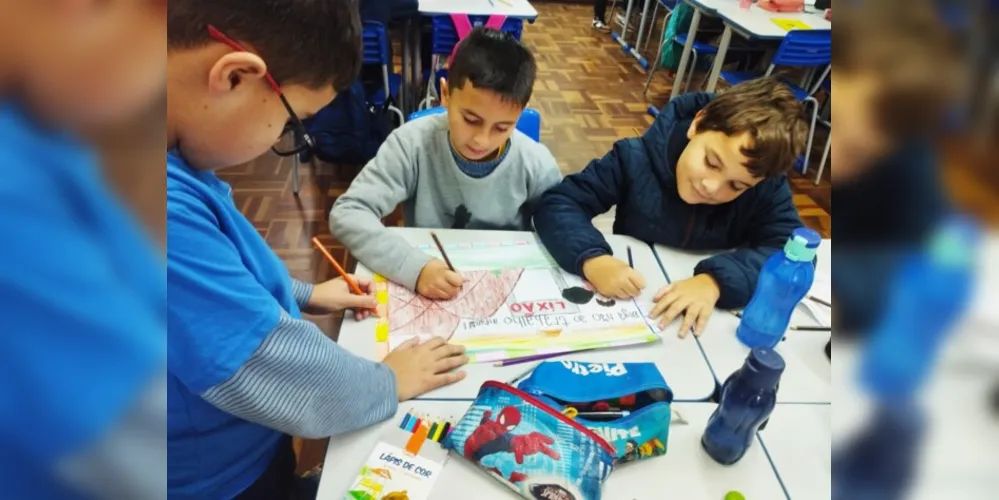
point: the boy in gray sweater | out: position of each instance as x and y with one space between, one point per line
466 169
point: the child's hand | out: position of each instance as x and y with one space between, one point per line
613 278
695 297
335 295
438 282
421 368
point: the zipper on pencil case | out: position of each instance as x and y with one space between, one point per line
553 412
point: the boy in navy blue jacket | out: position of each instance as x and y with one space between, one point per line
708 175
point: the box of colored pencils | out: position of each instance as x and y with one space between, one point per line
405 462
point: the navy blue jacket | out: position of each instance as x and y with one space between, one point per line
638 175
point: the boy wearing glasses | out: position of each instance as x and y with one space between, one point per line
468 168
245 370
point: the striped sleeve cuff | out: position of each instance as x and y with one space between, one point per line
302 383
302 292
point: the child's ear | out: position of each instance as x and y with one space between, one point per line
234 69
445 92
692 130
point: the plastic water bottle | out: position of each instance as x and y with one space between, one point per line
785 280
880 462
748 397
930 291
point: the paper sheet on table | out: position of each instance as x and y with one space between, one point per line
517 311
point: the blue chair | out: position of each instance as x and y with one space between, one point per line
376 51
800 48
529 123
443 38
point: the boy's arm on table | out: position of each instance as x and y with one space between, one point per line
356 218
84 357
232 343
774 217
564 215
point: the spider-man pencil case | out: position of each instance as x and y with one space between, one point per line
628 404
531 447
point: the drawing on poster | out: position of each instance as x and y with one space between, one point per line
520 310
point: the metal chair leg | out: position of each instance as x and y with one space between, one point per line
690 71
655 12
825 157
811 132
657 63
294 174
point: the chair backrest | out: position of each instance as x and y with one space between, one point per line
804 48
529 123
444 35
375 39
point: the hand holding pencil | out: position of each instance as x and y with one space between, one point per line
439 280
335 295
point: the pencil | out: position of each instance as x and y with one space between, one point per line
811 328
532 357
820 301
443 253
346 277
507 2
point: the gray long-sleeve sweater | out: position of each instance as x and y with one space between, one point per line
415 167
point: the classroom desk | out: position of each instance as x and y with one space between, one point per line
680 360
753 23
412 67
684 472
797 438
807 377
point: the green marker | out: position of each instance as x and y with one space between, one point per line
734 495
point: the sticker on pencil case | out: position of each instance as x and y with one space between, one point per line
536 451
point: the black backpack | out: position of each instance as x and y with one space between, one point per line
348 131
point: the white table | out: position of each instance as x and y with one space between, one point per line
686 471
680 360
807 377
412 65
797 438
752 23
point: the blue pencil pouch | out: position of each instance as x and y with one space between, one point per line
628 404
530 446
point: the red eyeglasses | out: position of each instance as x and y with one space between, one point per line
303 140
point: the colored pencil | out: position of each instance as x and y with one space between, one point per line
346 277
820 301
534 357
811 328
443 253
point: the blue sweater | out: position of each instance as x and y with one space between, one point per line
638 175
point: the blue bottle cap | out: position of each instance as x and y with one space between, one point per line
765 367
802 244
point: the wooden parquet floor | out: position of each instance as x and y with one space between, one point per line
589 93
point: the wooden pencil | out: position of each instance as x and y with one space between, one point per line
811 328
820 301
443 253
346 277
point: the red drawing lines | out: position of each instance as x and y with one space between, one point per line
483 295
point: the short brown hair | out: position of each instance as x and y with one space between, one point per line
767 110
906 46
314 43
